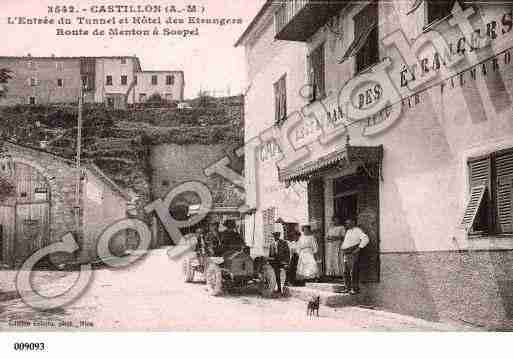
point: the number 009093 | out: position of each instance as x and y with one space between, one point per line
29 346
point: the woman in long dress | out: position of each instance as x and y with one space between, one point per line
334 240
306 248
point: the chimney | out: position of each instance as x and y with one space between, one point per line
29 55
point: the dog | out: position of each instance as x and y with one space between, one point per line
313 306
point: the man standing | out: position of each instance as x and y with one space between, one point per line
213 238
354 241
280 255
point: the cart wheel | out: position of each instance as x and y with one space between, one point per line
188 271
268 281
214 278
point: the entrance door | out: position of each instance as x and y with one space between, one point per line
346 207
31 210
7 234
32 228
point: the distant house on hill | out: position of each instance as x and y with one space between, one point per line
113 80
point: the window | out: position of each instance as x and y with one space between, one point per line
59 66
84 82
109 80
170 80
142 97
366 36
123 61
490 206
32 100
33 81
438 9
60 83
280 18
280 100
168 96
154 80
124 80
268 219
316 73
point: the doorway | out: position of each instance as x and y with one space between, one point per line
346 206
1 243
24 215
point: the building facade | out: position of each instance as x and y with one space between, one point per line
397 114
116 81
169 85
39 203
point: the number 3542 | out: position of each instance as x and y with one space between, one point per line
29 346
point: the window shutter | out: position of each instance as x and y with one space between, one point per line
310 76
283 97
504 168
272 212
265 215
317 60
480 171
476 197
268 217
365 24
276 101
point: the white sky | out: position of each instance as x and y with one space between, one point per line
209 61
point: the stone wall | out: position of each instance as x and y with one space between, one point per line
472 287
103 206
174 164
62 178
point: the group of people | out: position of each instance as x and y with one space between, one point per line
214 243
298 256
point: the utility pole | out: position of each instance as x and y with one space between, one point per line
78 164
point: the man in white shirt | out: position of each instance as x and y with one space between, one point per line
354 241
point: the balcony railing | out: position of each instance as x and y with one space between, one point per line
298 20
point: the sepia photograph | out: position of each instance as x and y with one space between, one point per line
255 166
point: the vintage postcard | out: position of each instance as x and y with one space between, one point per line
263 165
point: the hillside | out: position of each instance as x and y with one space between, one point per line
118 141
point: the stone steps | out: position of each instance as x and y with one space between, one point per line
327 287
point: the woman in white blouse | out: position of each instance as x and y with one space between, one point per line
306 248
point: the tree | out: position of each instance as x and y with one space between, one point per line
5 76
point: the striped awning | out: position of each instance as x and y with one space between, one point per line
342 158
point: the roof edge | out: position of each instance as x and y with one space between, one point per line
253 23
